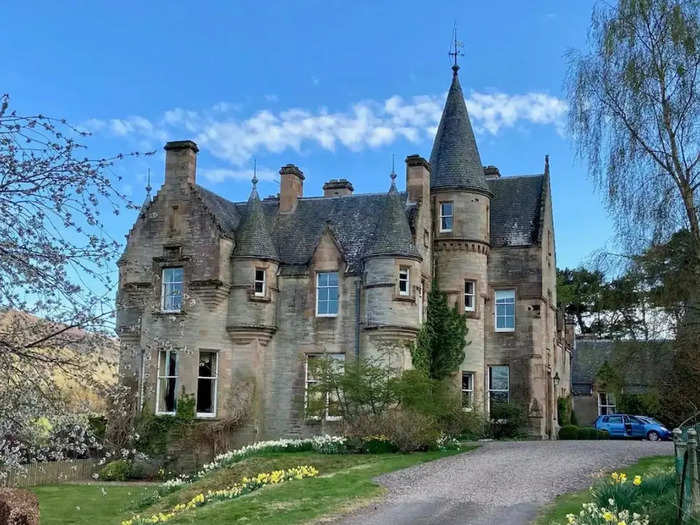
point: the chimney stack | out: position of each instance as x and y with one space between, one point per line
180 162
417 179
337 188
491 172
291 187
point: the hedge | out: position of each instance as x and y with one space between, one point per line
575 432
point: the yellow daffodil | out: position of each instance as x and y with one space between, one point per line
615 476
637 480
607 516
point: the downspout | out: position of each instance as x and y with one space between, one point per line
141 378
358 288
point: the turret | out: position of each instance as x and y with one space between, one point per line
255 262
461 201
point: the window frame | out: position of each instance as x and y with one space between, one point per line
263 281
337 287
472 295
214 379
159 377
607 405
307 381
407 271
495 310
444 216
164 287
490 378
470 391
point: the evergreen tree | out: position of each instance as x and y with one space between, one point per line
439 348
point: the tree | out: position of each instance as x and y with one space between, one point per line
439 348
578 293
55 262
634 114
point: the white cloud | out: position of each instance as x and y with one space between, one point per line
367 124
221 174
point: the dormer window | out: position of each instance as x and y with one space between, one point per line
404 281
446 216
171 293
259 285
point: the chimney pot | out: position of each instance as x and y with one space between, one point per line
491 172
337 188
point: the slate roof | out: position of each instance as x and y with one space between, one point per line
516 208
455 159
393 235
253 238
641 364
366 224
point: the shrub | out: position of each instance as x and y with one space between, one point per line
406 429
18 507
507 420
587 433
119 470
568 432
564 410
574 419
378 445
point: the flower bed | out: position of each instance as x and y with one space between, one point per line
246 486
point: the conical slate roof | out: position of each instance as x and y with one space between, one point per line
253 238
393 234
455 159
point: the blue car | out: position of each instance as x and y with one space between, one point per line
626 426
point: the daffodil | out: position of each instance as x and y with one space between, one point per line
637 480
607 516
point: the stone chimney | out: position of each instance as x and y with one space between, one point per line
291 187
180 162
417 179
491 172
337 188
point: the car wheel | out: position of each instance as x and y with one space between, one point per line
652 435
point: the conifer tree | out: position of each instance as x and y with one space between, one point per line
439 348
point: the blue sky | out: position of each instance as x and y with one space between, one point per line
334 87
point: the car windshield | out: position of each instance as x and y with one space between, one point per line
649 420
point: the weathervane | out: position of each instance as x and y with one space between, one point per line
255 172
455 49
393 171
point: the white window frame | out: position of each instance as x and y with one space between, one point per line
510 292
262 281
165 285
468 391
337 286
308 381
608 406
491 389
214 378
159 377
405 277
471 308
444 215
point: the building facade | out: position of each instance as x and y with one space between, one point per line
230 302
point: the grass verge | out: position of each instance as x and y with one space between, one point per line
571 503
344 481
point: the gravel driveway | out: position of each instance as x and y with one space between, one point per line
499 483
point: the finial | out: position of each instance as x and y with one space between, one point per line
455 49
393 170
546 164
148 185
255 172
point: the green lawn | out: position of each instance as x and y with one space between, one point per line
571 503
344 480
85 503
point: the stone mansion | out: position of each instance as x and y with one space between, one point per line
230 301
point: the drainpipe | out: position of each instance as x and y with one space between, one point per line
141 378
358 288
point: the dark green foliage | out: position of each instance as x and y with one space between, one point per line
574 419
507 420
119 470
564 410
656 496
439 348
568 432
156 433
575 432
98 424
647 404
379 445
